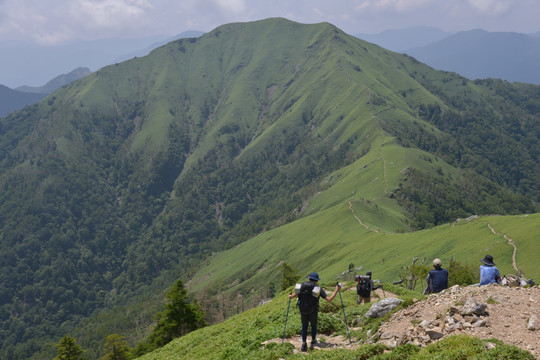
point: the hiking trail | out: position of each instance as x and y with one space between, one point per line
331 341
509 310
360 221
511 243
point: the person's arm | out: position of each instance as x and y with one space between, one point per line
331 297
373 287
293 295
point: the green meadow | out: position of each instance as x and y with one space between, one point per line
354 221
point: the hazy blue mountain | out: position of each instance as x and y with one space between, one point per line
400 40
145 51
57 82
23 63
478 54
12 100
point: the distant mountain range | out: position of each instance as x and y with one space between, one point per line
31 64
12 100
478 54
20 58
475 54
57 82
15 99
401 40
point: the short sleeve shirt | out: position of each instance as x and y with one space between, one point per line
488 274
323 293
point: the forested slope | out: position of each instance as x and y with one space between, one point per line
118 184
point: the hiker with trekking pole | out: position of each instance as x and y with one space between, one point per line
364 287
308 294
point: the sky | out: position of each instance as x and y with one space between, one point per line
52 22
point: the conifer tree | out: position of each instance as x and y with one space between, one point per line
289 276
179 317
116 348
68 349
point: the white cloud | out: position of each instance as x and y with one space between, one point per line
490 7
399 6
50 21
108 13
231 6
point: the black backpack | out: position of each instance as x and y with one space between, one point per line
363 288
307 303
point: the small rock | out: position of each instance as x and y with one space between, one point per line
480 323
472 307
533 323
453 310
499 298
434 335
426 324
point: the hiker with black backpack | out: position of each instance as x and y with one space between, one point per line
308 294
364 287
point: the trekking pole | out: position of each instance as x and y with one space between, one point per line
344 316
287 318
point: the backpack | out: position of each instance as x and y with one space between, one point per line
363 288
307 303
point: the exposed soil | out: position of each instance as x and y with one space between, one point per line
506 315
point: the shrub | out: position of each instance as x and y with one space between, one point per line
462 275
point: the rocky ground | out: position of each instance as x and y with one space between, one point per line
510 314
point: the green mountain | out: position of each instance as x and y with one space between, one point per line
259 143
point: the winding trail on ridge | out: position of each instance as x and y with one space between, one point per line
511 243
360 221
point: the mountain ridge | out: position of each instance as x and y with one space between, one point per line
145 168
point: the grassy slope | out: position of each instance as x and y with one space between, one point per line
330 237
241 336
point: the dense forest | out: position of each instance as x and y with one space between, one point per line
115 186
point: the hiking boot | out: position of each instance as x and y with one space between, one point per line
313 343
304 347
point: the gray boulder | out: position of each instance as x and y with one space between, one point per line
383 307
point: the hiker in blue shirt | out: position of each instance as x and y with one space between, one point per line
308 294
437 278
489 274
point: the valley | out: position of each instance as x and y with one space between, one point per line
215 160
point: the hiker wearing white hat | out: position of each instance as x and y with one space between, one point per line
437 278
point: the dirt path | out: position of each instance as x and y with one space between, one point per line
332 341
384 172
511 243
360 221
